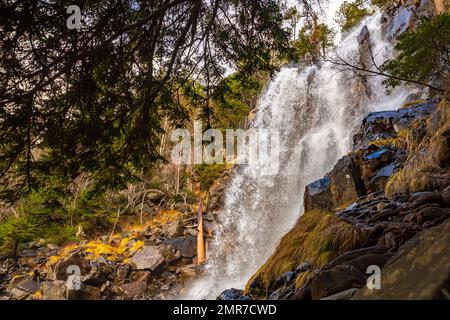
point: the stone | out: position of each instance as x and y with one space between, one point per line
318 195
59 270
52 246
420 270
281 294
98 275
18 294
148 258
343 295
22 286
173 229
190 232
231 294
123 271
340 278
86 292
386 171
346 185
284 279
134 289
187 245
54 290
305 266
29 285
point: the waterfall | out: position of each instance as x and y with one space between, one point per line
316 111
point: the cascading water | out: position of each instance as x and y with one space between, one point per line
315 111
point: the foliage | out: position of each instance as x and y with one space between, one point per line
206 174
382 3
50 213
313 42
350 14
423 55
93 100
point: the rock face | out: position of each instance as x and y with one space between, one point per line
187 246
419 270
407 233
317 195
375 158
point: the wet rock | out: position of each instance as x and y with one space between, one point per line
382 125
148 258
365 60
284 279
231 294
187 245
386 171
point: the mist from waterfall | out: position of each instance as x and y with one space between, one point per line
316 111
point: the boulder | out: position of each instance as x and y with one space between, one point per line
343 295
86 292
148 258
231 294
134 289
340 278
187 245
54 290
59 270
386 124
318 195
419 270
173 229
346 185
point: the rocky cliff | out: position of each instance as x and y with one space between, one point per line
385 204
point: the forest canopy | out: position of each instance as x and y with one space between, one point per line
93 99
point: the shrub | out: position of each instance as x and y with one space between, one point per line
423 55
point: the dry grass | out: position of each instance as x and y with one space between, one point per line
412 103
426 156
318 237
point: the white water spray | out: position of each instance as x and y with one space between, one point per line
316 112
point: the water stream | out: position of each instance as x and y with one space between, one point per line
316 110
